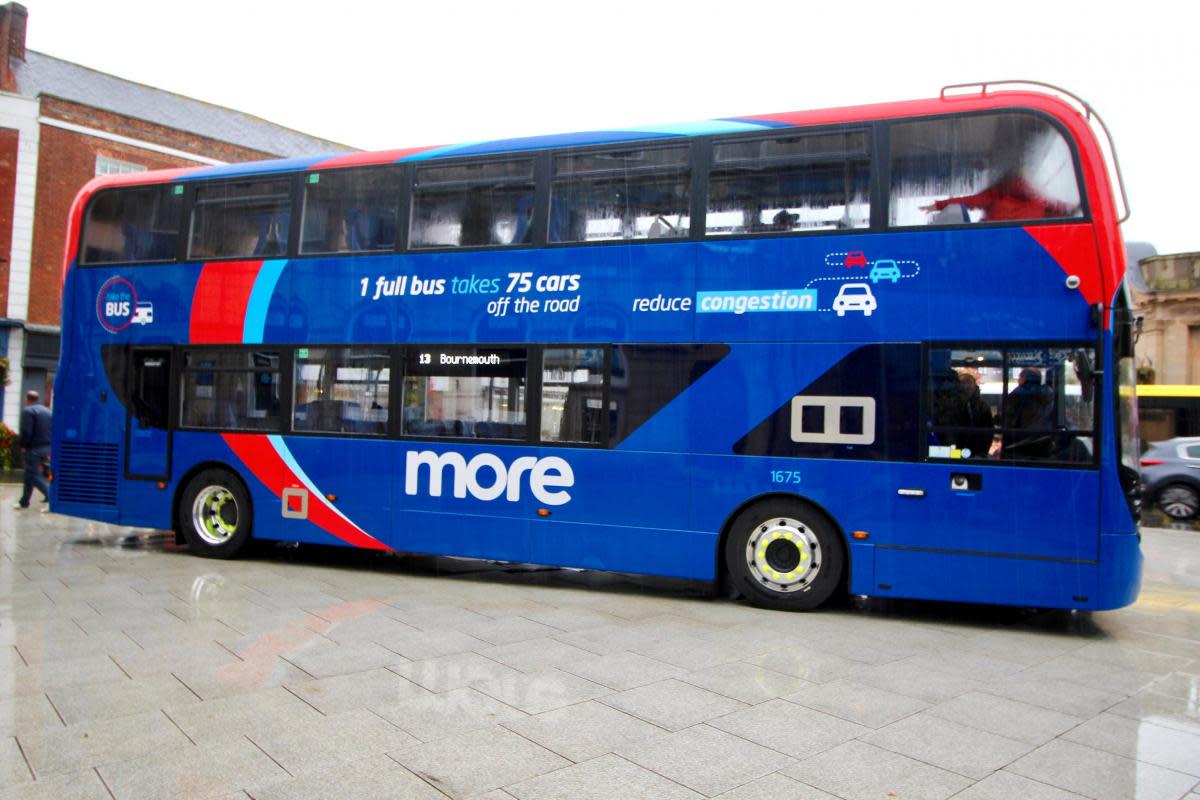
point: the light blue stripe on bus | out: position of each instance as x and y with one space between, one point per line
582 138
260 299
440 151
253 168
708 127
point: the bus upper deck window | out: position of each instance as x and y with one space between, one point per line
352 211
983 168
476 204
132 225
238 220
620 194
810 182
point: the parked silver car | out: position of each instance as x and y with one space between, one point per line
1171 476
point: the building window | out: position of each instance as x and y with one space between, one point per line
113 166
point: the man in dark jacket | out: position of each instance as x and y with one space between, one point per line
35 444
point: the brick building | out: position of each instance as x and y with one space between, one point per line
61 125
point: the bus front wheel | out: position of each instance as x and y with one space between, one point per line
784 554
214 514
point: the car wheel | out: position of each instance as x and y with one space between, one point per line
866 312
1179 501
784 554
215 515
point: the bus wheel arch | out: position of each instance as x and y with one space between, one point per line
213 512
788 532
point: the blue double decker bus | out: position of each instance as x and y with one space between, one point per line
882 349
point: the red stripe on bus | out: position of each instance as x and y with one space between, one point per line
259 456
1073 248
367 159
219 304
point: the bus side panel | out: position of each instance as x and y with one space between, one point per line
1115 514
356 477
1121 562
88 448
930 575
936 296
607 512
617 548
626 514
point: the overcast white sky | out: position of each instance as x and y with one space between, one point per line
378 76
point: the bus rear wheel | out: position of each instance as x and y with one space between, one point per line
784 554
214 514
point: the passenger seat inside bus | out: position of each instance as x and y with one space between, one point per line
272 233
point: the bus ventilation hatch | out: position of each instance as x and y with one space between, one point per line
86 472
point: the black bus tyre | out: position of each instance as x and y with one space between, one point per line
785 555
215 515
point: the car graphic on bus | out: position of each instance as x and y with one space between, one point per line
885 269
854 297
856 258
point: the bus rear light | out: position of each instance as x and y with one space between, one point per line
161 485
861 535
1152 462
543 512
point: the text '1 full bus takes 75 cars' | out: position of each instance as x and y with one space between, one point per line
882 349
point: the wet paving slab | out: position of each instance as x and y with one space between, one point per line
131 669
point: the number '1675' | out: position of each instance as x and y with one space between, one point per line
785 476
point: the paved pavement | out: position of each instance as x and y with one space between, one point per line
130 669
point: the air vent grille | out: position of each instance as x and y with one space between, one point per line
87 472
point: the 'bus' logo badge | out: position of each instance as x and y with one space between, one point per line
116 304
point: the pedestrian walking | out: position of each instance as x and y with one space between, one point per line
35 445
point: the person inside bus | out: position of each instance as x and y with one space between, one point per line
476 224
949 408
977 416
1028 413
1010 198
784 221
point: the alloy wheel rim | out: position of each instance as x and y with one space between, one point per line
215 514
783 555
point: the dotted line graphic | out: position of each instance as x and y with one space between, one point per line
840 279
837 260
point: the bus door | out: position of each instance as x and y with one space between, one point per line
1011 466
148 441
